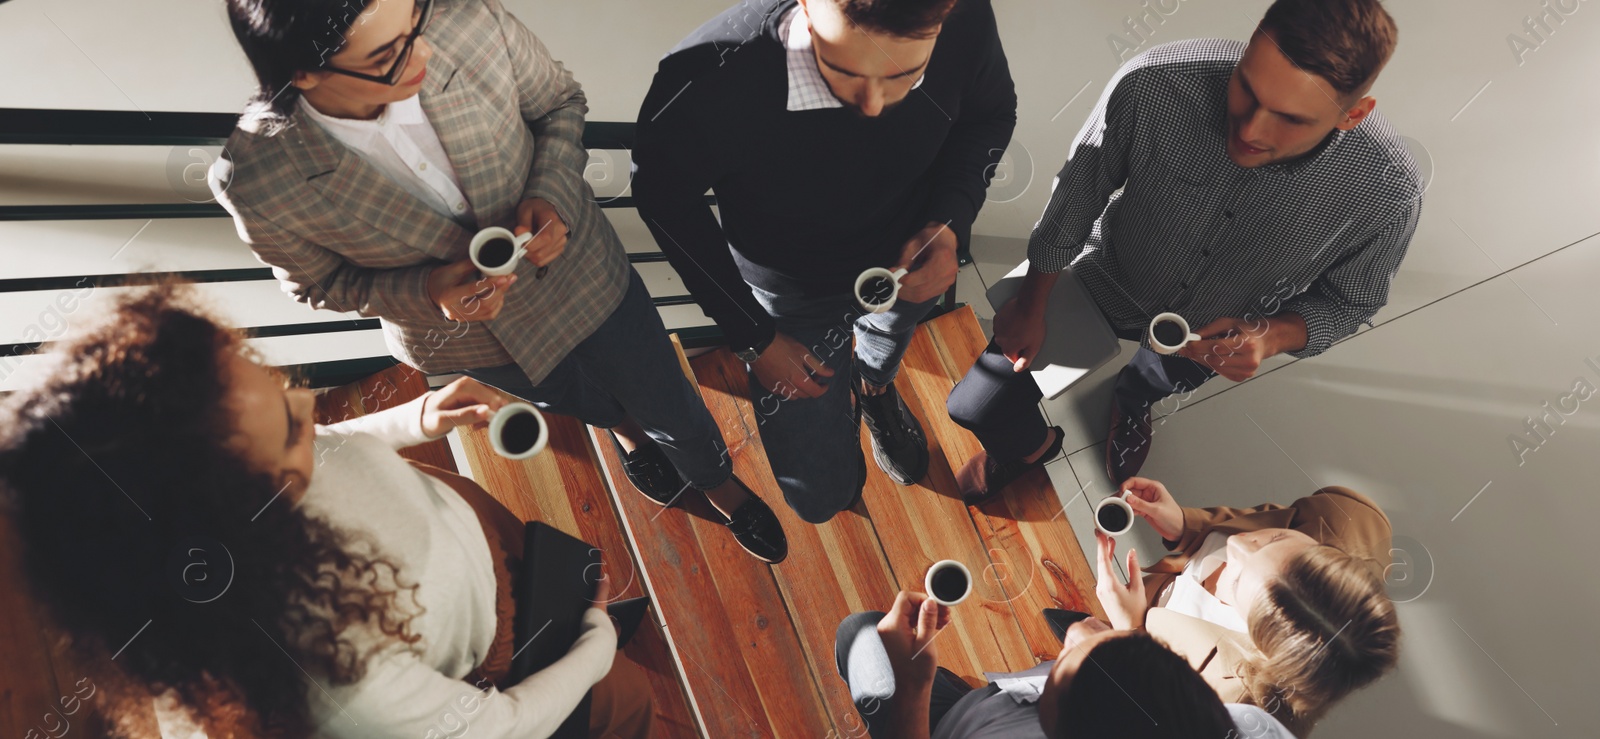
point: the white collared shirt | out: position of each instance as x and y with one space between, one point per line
808 89
1188 595
402 144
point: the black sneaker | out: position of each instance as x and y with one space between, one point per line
898 444
651 472
1128 443
983 476
757 529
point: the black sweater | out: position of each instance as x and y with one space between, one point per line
808 199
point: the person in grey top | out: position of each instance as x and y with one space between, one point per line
1250 188
1104 683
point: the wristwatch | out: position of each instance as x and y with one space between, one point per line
750 355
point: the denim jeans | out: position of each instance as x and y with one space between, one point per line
1001 406
814 444
628 367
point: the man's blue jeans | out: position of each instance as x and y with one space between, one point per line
628 367
814 444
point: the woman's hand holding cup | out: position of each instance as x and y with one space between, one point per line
1151 502
465 402
465 295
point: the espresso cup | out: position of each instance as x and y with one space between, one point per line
1163 347
1113 515
492 234
518 431
948 582
878 288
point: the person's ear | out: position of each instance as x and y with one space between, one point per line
1357 113
304 80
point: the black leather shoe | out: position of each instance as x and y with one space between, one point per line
757 529
898 444
1128 444
983 476
652 473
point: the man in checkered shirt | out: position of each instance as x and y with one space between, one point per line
1249 188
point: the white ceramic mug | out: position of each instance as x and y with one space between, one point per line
495 232
936 568
1160 348
1120 501
498 423
894 294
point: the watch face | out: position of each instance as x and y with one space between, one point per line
747 355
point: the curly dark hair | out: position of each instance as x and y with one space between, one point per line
116 464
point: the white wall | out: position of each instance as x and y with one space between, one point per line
1488 320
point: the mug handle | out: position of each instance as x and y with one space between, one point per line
896 275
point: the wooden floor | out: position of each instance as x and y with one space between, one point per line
736 647
755 642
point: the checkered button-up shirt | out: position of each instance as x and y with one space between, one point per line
1153 216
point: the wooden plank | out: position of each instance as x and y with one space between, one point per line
28 683
1036 556
927 522
833 569
563 487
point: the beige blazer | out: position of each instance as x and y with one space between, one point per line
1336 516
340 235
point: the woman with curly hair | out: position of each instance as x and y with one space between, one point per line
1282 607
204 543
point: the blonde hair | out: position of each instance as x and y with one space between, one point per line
1322 629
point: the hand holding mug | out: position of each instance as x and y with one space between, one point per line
929 259
540 218
908 632
461 403
465 296
1151 502
1232 347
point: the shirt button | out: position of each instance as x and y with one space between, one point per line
1227 214
1205 252
423 166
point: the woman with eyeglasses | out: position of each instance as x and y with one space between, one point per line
208 546
384 135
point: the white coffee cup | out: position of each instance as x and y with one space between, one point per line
940 566
503 416
495 232
1160 348
879 273
1116 501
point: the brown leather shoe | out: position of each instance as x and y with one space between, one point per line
983 476
1127 445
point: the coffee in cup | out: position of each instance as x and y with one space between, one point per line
1114 516
495 251
518 431
948 582
1169 333
877 289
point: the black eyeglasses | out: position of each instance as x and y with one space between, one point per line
421 13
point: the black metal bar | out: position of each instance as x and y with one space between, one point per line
307 329
138 211
337 373
135 128
135 279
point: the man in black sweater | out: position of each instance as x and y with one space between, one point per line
837 135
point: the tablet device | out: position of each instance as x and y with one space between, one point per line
1077 338
558 578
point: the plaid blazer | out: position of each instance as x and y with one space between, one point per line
338 234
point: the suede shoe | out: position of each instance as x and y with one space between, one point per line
651 472
757 529
983 476
1128 444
